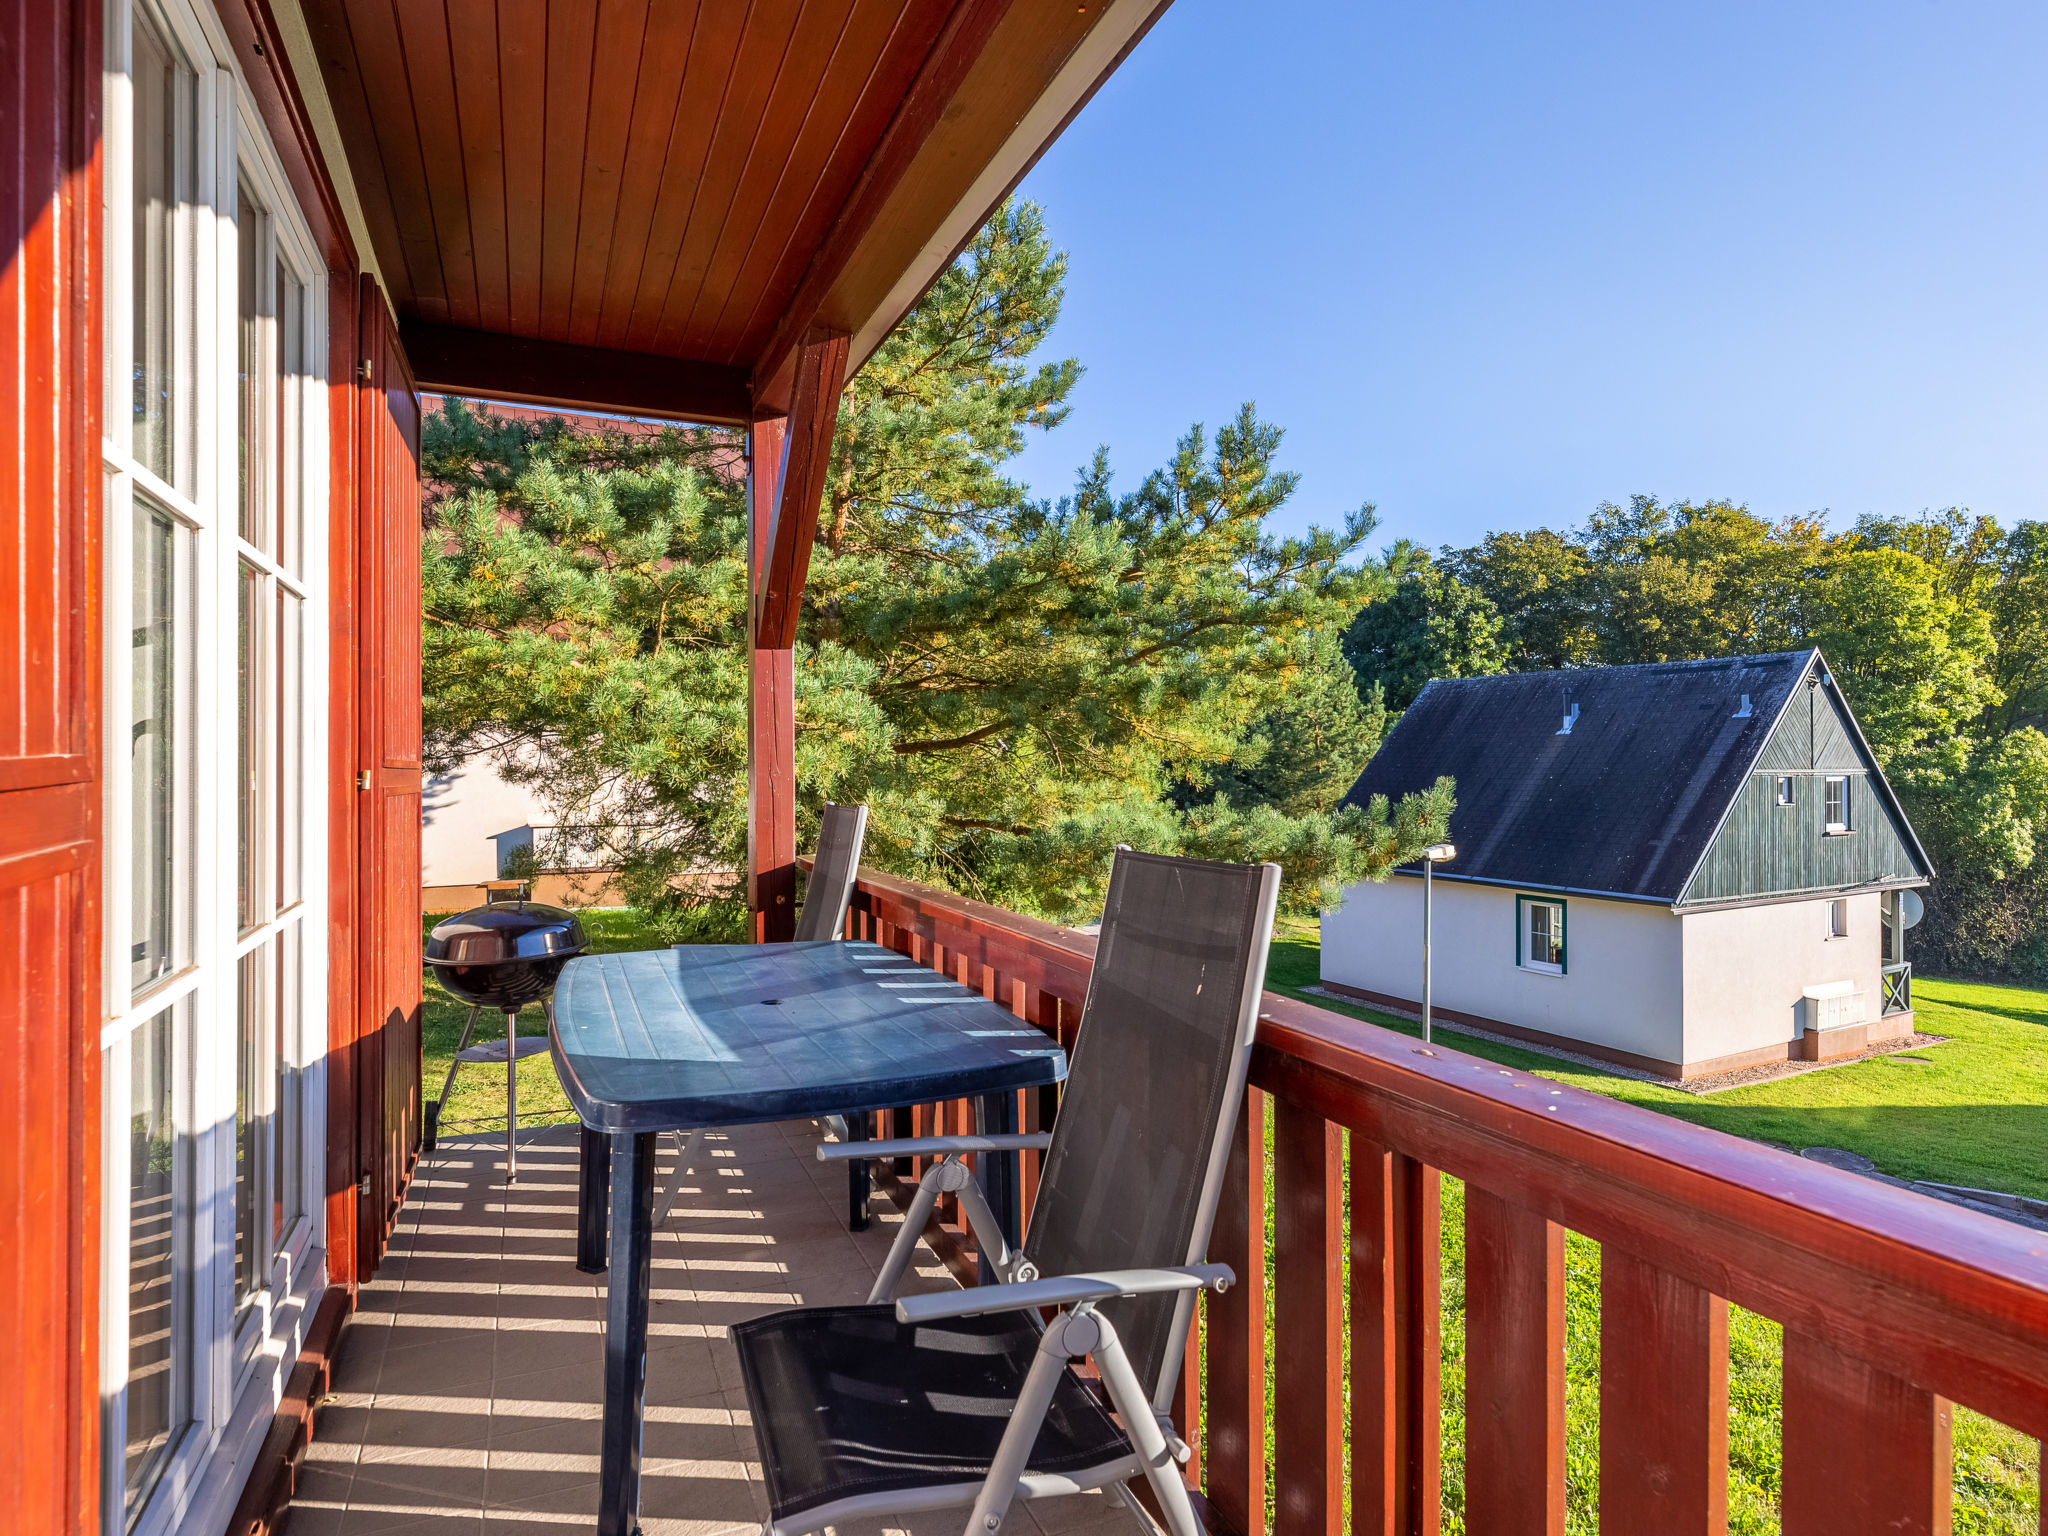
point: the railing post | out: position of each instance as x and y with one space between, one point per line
1514 1368
1864 1451
1663 1401
1308 1321
1236 1450
1396 1337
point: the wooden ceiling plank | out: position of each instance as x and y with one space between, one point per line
473 43
714 52
522 93
771 272
621 67
807 88
557 374
771 31
671 31
374 27
924 105
806 455
430 69
342 74
572 40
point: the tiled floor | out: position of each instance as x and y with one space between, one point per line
469 1389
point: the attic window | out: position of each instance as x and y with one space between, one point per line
1837 803
1785 793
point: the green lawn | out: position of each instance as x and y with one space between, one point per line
1974 1113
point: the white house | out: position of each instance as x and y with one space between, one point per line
1684 868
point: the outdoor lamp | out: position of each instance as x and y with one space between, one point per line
1433 855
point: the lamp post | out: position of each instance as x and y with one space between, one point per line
1433 855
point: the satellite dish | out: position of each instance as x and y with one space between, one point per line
1911 908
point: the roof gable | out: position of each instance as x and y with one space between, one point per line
1627 803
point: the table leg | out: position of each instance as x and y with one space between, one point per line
857 1175
593 1198
625 1333
999 1173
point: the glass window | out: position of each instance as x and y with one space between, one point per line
290 448
255 389
251 742
1542 935
165 163
1837 804
291 640
287 1199
1785 794
159 1331
251 1131
1838 919
160 668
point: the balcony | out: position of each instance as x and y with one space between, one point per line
1406 1223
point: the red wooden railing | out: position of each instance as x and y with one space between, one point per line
1894 1305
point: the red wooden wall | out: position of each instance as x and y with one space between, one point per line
49 765
387 941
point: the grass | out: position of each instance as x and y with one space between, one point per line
1973 1114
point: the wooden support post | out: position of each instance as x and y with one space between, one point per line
1396 1336
1236 1451
1663 1401
1514 1368
1864 1451
771 725
1308 1321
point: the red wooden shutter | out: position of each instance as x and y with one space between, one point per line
387 933
49 765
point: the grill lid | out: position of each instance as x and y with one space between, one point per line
501 931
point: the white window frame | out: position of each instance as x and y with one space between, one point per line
1848 822
1837 910
237 1367
1525 908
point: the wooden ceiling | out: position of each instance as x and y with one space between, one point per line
701 183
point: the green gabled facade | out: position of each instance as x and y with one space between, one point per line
1765 849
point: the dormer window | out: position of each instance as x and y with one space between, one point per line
1837 807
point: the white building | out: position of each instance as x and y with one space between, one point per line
1683 868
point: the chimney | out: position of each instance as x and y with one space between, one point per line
1571 717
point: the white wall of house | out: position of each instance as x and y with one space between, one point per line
471 818
1746 967
1623 985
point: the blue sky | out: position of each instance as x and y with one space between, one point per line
1490 264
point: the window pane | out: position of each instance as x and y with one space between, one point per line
165 158
251 1132
291 369
160 657
287 1202
255 393
291 630
159 1335
252 740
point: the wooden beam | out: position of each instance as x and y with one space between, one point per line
551 373
793 528
771 723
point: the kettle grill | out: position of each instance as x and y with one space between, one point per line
505 955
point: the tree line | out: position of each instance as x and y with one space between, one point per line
1936 625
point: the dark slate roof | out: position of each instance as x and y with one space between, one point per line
1626 804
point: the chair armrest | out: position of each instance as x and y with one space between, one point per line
1062 1291
932 1146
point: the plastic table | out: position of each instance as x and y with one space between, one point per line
731 1034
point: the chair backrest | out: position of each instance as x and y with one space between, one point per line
1136 1164
836 867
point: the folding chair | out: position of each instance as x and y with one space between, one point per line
842 831
968 1397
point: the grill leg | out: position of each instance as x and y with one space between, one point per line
593 1197
511 1094
997 1174
625 1333
433 1134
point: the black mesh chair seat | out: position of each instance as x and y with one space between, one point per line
848 1401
